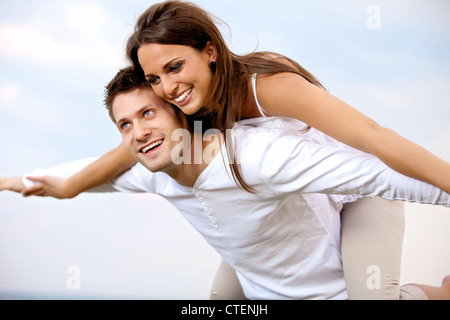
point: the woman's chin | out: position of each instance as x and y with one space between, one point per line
189 109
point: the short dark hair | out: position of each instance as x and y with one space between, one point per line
125 80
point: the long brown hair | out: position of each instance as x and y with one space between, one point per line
184 23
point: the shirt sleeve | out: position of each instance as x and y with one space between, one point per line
291 163
136 179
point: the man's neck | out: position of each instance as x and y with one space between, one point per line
196 158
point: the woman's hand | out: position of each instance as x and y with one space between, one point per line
49 186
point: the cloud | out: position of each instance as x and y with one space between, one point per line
17 40
23 42
90 37
86 19
9 93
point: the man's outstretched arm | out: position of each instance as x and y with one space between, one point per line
12 184
96 173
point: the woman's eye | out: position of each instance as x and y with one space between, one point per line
176 67
153 81
148 113
124 125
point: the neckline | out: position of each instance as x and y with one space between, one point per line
203 175
260 108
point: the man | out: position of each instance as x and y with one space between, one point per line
283 240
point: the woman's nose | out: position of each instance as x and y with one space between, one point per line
170 88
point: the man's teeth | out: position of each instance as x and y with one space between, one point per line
183 96
151 146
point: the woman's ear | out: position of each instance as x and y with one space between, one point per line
211 51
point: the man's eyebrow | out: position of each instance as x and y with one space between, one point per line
123 119
165 67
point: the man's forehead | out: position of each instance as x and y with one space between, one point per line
125 104
132 100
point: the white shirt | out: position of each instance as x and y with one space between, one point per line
283 241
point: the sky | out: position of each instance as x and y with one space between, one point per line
388 59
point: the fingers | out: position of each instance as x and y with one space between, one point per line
36 189
37 178
47 186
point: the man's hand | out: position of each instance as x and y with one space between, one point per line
49 186
12 184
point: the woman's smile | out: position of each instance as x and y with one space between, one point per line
184 97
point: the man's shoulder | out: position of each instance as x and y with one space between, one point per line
141 178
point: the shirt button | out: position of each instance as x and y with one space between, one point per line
206 209
211 218
200 199
216 226
195 190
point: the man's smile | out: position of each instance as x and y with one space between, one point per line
151 147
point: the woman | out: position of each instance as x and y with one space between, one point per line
180 51
183 56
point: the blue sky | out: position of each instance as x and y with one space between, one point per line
57 56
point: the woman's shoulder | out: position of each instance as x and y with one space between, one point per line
280 77
274 85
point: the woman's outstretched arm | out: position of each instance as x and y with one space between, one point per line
290 95
97 173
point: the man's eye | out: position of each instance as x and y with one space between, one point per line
148 113
124 125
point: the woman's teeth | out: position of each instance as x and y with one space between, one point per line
183 96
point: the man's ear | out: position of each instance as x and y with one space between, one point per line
211 51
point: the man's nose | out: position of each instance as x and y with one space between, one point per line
141 132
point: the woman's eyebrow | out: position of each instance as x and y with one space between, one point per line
165 67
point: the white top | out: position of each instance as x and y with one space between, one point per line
283 241
260 108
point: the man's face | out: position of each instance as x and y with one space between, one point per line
146 123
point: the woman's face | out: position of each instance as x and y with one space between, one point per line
178 74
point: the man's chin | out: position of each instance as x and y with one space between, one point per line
153 167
